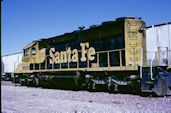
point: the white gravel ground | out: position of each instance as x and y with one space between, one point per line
21 99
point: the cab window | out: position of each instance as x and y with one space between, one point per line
33 51
25 52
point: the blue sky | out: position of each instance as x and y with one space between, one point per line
23 21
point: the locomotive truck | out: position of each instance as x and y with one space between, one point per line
111 55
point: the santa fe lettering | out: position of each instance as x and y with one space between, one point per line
72 55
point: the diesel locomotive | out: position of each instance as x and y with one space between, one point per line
111 55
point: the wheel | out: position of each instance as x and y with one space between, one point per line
23 82
90 86
113 88
161 88
13 80
81 85
36 82
29 82
136 88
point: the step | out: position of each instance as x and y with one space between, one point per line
149 82
146 91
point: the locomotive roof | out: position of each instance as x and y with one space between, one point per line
77 31
71 35
29 45
91 27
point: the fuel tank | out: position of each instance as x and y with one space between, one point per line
61 80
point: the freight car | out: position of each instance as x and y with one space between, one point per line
112 55
8 65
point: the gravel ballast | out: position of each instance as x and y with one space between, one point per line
21 99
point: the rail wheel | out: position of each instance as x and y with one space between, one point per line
90 86
23 82
113 88
161 88
29 82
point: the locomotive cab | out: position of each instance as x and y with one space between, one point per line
31 54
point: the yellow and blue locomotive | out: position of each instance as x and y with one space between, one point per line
111 55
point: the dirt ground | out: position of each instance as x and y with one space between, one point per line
21 99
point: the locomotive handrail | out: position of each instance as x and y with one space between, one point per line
151 69
120 56
97 53
141 64
109 51
108 56
94 65
157 62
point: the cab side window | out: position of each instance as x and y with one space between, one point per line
33 51
26 52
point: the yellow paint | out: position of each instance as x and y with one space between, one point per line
91 53
72 55
63 55
75 55
69 54
134 42
52 60
84 51
57 58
